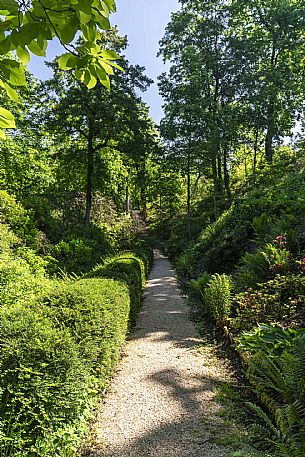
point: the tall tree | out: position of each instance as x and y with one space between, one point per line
94 120
269 40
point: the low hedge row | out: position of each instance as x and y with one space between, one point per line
130 269
57 354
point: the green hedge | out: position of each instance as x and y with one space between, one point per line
58 352
129 269
56 355
96 313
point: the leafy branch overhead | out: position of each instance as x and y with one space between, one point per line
27 26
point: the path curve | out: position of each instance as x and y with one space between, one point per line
162 396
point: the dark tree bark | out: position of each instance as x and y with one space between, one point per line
226 175
90 170
127 200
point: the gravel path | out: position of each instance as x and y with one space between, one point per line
161 401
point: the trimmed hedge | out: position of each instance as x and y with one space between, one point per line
96 313
130 269
44 383
59 351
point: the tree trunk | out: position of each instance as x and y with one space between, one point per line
270 131
127 200
255 151
90 169
219 170
226 175
271 113
189 190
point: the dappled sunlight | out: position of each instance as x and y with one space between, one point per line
164 389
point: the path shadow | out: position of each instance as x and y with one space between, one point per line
190 435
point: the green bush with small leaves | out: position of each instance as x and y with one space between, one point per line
128 269
44 382
96 312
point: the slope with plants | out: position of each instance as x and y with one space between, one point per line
246 271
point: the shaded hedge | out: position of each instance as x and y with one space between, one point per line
58 352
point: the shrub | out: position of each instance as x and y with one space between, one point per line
8 240
129 269
22 276
44 383
56 354
17 218
96 313
74 256
280 299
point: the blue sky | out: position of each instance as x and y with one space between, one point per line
143 21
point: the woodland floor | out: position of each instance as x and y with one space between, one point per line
162 401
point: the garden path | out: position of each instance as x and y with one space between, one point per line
161 402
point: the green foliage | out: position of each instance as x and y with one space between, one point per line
261 265
76 255
276 371
57 354
217 296
44 382
129 269
17 218
278 300
96 313
184 265
27 29
22 276
199 285
272 339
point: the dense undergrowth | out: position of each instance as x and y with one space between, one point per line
69 294
246 269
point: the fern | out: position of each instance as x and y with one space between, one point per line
280 384
218 297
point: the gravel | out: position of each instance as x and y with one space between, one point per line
161 401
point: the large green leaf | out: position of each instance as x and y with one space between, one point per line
23 55
16 75
109 55
68 33
11 92
7 120
36 49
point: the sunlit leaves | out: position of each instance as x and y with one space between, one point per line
7 120
27 28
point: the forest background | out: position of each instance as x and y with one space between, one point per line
221 181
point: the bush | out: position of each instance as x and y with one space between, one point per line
96 313
128 269
17 218
280 299
56 354
8 240
44 383
22 276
